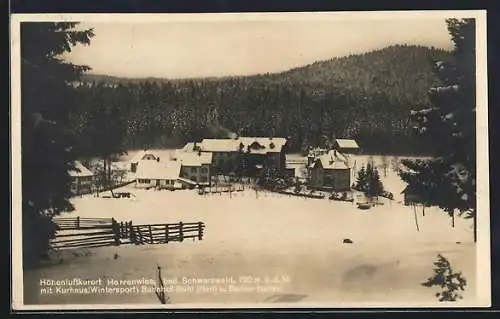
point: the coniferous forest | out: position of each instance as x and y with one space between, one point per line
367 97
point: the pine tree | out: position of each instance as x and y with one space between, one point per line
47 98
449 179
361 180
375 186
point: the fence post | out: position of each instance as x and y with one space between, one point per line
132 235
116 230
166 233
77 222
181 234
150 235
200 230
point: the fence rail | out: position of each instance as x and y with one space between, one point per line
98 232
64 223
161 233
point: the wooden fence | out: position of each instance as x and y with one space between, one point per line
78 222
85 232
218 189
98 232
160 233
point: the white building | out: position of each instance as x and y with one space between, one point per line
157 174
82 179
143 155
195 166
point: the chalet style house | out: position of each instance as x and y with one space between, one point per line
82 179
158 174
329 171
143 155
253 153
195 166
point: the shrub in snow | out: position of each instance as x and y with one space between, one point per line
451 283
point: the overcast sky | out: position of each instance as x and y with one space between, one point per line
183 49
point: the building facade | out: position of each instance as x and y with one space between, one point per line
330 172
82 179
196 166
249 154
157 174
144 155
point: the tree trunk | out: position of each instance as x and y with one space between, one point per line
474 226
105 176
453 219
423 210
109 170
415 215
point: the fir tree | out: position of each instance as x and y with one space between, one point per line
451 283
47 98
449 179
375 186
361 180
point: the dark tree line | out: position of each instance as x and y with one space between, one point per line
366 97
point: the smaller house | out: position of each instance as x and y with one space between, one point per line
410 196
330 171
195 166
156 174
82 179
264 151
225 151
143 155
346 146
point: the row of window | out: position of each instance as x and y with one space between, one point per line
203 179
203 170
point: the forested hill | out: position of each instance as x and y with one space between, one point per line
364 96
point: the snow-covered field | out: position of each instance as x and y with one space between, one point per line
265 235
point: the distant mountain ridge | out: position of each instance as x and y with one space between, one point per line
351 68
363 96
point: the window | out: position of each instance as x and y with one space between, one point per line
193 169
144 181
204 170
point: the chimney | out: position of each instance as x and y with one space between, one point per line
158 159
310 159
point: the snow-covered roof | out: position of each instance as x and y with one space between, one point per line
189 147
346 143
333 160
140 155
219 145
79 170
267 144
258 145
158 170
194 158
